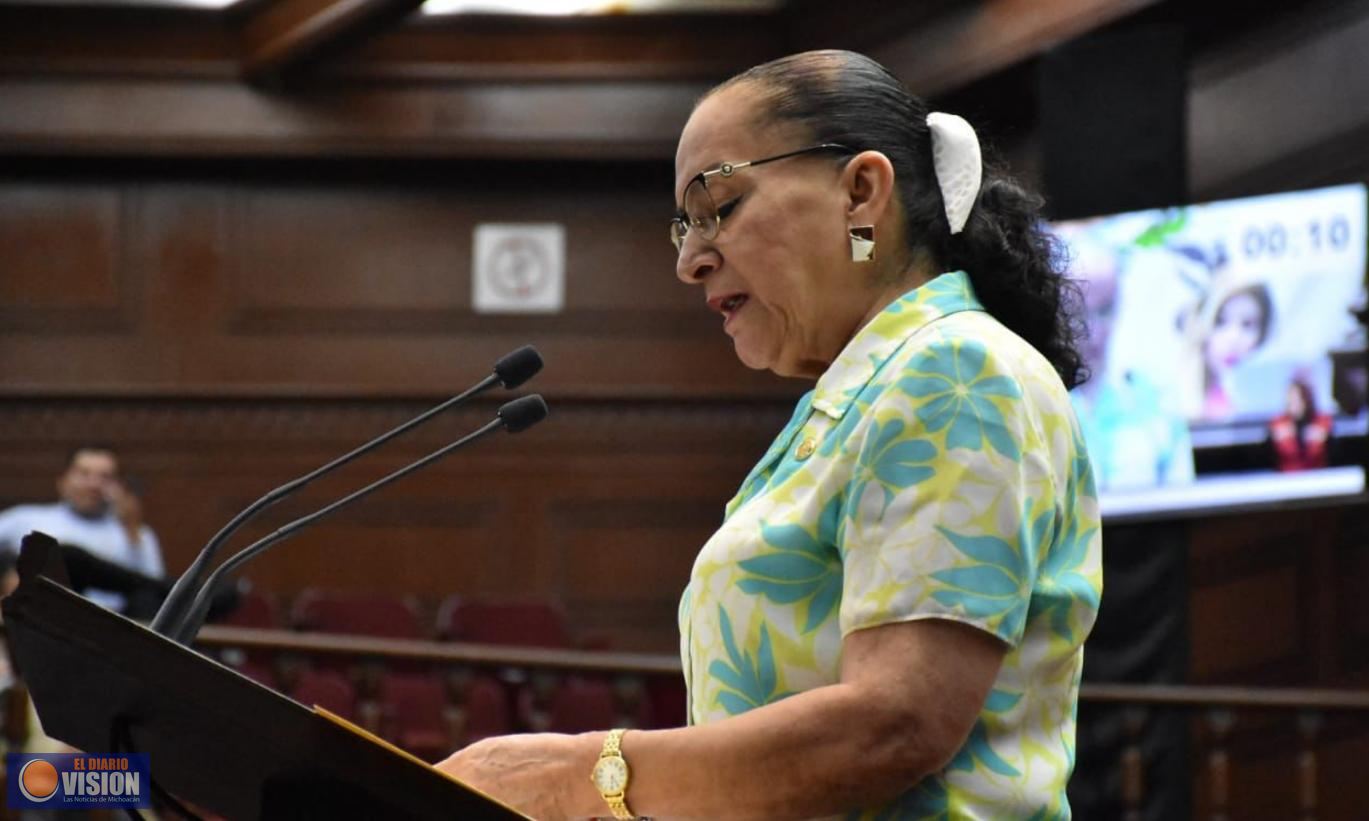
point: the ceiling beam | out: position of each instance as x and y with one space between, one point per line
962 40
287 35
1301 87
706 47
222 118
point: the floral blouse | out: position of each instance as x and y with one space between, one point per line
935 471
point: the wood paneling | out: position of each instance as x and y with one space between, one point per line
602 507
1243 624
1266 604
205 116
296 287
282 37
65 260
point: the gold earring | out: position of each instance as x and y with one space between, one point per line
862 243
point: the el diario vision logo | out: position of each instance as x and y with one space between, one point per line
71 781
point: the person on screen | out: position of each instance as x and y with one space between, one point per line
96 512
1233 321
1135 438
889 622
1301 436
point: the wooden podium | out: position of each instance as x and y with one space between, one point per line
103 683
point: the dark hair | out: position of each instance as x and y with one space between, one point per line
847 98
1260 293
88 447
1309 400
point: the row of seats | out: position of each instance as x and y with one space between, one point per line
424 714
521 623
431 712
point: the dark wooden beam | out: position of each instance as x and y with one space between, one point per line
222 118
857 24
50 41
288 35
666 47
962 40
1285 107
150 42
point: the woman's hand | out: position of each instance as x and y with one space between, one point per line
539 775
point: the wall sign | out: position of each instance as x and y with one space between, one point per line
519 268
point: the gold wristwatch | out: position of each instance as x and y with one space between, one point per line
610 776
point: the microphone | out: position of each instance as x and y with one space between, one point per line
515 416
512 370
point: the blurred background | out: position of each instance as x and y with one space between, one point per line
240 237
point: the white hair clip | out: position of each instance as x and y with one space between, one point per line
958 164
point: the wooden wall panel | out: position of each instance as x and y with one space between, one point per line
1243 624
64 259
602 507
1265 604
350 288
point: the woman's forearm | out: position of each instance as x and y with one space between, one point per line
817 753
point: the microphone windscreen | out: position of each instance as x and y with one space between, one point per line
518 367
523 412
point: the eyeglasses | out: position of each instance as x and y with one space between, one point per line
700 212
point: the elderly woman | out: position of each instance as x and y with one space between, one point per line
889 622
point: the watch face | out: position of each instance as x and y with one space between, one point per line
610 775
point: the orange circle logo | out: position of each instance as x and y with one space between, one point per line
38 780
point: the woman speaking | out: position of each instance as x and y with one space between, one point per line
889 622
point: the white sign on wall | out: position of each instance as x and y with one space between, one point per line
519 268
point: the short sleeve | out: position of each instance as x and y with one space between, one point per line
150 555
944 515
11 522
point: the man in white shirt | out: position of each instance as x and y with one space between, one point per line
97 514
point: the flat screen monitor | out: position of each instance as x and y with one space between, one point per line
1226 345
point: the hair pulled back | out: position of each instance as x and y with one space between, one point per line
847 98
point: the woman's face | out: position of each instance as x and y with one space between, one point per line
1296 407
779 271
1236 331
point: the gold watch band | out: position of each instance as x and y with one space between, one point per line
619 809
613 743
617 804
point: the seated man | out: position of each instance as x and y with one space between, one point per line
97 514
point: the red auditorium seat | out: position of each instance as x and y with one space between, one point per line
359 614
415 715
667 701
255 609
579 705
487 711
526 624
329 690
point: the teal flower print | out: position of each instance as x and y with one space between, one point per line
860 400
1082 470
956 398
1062 584
750 682
763 475
892 461
800 569
977 751
948 293
993 588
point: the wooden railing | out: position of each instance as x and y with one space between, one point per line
437 652
1219 709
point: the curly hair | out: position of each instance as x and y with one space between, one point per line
1014 263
